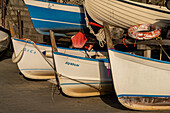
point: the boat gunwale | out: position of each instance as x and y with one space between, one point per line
51 46
141 57
142 5
55 3
82 58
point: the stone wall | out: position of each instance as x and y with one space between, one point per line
28 30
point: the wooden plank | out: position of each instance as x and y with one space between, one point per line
11 29
142 47
146 42
53 43
19 23
54 49
147 53
3 5
108 36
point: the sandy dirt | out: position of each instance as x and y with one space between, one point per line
20 95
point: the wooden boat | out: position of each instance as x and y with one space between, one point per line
4 40
32 63
77 79
63 19
126 13
140 83
82 77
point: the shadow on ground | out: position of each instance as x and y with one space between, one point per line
112 101
8 52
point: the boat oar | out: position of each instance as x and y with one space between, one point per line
54 49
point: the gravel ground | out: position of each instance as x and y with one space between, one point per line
20 95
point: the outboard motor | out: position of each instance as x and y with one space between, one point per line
167 4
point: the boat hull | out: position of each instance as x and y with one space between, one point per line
85 88
126 13
82 77
61 18
32 64
4 40
142 83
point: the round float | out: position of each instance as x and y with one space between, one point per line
144 31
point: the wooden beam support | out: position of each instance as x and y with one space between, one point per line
3 5
147 53
53 43
147 50
108 36
54 49
19 24
143 47
165 42
11 29
58 1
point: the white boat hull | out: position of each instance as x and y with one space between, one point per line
125 13
82 77
140 83
32 64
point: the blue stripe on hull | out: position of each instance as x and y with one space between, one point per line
133 95
55 15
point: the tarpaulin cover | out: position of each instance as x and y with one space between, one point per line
79 40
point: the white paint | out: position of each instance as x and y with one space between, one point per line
55 21
53 6
120 14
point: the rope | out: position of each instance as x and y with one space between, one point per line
100 35
54 88
163 50
45 58
124 41
17 58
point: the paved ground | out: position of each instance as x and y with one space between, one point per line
19 95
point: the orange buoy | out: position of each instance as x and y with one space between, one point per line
144 31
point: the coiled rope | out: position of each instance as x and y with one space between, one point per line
100 36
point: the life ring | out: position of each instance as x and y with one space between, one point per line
144 31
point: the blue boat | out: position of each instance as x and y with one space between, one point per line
63 19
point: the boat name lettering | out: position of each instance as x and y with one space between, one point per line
31 51
72 64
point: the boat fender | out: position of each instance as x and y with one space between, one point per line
144 31
16 59
47 54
